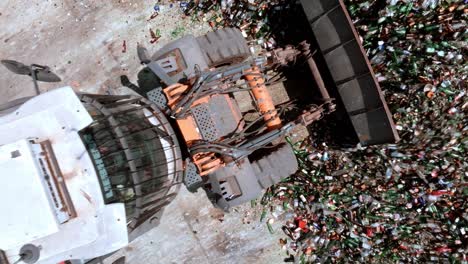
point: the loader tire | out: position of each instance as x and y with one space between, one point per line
224 47
276 166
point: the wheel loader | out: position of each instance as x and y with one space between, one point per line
101 168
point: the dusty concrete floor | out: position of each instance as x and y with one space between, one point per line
192 231
82 42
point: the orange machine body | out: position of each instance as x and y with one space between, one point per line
205 162
210 162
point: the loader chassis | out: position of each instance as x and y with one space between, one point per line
232 156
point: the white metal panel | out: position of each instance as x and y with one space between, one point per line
111 227
26 211
58 116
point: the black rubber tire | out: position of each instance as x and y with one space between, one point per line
224 47
276 166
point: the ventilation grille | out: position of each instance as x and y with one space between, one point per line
192 180
205 123
158 97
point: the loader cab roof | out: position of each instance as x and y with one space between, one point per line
52 199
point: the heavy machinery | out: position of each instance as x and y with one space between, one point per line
97 170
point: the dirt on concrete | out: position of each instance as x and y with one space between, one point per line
83 41
192 231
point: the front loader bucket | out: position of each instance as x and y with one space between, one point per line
352 74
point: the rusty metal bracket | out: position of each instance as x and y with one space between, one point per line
284 56
305 47
311 116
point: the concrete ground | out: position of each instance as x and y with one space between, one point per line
82 41
192 231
